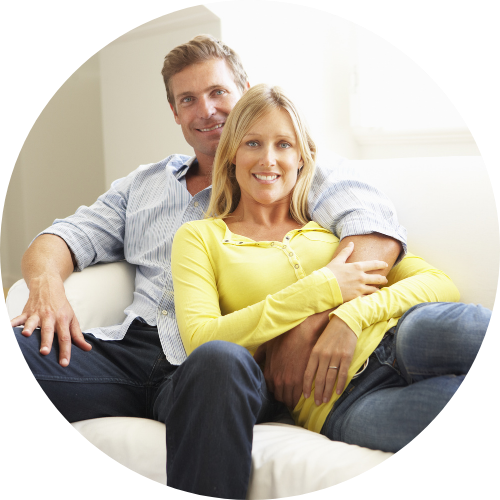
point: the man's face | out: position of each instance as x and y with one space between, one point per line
204 94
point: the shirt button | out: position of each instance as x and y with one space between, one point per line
164 312
284 246
291 254
272 244
196 203
296 266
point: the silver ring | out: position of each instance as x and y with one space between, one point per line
334 367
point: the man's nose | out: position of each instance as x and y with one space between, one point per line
206 107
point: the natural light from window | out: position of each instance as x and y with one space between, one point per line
391 93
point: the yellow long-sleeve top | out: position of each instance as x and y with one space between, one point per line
229 287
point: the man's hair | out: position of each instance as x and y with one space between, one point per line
200 49
254 105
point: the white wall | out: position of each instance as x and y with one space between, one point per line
60 167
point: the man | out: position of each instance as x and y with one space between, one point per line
143 371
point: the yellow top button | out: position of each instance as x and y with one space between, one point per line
272 244
296 266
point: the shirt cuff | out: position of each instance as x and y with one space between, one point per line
338 300
348 320
77 242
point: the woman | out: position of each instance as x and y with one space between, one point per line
259 267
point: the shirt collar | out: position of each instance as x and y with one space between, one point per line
183 169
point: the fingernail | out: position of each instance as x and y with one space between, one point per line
325 400
44 350
64 362
317 402
339 390
306 395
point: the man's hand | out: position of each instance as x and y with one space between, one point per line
49 309
286 358
335 348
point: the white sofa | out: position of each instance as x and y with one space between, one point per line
446 204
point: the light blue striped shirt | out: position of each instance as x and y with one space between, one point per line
137 218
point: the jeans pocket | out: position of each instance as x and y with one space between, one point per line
386 350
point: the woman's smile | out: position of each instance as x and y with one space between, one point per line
266 178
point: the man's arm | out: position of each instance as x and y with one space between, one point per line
374 246
286 356
45 266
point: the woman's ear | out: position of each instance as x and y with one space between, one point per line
301 166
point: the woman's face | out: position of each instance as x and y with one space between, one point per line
268 160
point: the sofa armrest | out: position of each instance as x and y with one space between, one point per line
99 294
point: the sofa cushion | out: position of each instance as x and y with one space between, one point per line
286 460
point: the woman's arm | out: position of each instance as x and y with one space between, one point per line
412 282
197 299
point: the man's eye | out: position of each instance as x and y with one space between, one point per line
220 92
187 99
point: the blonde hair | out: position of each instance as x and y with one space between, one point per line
200 49
256 103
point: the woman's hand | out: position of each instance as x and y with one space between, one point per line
335 348
352 278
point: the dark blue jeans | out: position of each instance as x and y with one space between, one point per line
209 404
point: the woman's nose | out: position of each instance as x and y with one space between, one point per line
268 157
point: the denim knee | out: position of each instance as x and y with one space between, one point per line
448 315
439 338
223 360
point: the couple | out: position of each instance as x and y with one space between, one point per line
281 302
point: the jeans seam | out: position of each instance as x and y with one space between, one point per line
87 380
150 386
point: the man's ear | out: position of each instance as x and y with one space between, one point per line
176 116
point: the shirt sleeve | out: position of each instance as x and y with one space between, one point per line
197 300
342 202
411 282
96 233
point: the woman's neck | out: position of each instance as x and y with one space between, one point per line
262 222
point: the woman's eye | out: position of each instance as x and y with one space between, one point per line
252 144
285 145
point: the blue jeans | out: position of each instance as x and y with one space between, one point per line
209 404
411 376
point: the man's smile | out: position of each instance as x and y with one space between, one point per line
219 125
